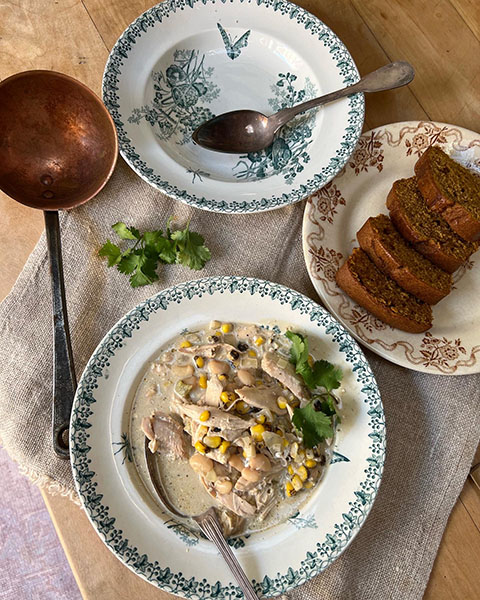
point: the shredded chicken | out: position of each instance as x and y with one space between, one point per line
261 397
165 434
283 371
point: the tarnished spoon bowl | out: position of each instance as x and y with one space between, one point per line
58 147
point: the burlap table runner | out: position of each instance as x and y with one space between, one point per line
433 422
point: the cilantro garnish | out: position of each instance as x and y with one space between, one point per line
314 424
315 419
140 261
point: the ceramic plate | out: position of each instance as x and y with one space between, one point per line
334 215
131 524
184 61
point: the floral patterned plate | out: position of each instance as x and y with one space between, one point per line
334 215
184 61
131 523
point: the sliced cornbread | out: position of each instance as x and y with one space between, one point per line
380 295
424 229
399 260
450 190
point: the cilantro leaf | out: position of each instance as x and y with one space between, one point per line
299 349
163 247
314 425
141 260
326 405
191 249
129 263
112 252
321 374
126 233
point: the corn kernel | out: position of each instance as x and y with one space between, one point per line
279 432
199 447
285 442
257 432
205 415
281 403
252 354
225 397
202 382
244 454
290 470
289 489
302 473
185 344
213 441
218 333
310 361
310 463
242 407
202 430
226 327
308 485
259 340
224 446
261 419
295 403
297 483
199 362
222 377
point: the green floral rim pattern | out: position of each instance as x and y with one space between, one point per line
325 551
314 26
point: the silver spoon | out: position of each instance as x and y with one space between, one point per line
250 131
208 523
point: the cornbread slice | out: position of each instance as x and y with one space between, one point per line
399 260
381 296
424 229
450 190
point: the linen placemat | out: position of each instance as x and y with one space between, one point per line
433 422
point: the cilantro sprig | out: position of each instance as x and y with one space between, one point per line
315 419
141 260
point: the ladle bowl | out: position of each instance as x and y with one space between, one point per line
58 148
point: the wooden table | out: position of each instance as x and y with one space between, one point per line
440 38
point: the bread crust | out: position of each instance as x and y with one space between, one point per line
426 246
389 264
455 214
363 297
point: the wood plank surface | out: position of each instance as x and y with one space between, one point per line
74 37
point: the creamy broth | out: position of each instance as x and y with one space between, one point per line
173 384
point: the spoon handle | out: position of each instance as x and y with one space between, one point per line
64 382
211 528
387 77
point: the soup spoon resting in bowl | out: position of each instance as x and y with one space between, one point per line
208 523
250 131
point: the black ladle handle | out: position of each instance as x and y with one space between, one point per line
64 381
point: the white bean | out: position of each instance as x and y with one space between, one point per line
201 464
218 367
246 377
260 462
250 474
223 486
236 462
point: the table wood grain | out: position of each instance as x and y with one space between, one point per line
440 38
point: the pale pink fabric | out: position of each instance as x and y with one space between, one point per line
32 563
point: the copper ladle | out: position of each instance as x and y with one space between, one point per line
58 148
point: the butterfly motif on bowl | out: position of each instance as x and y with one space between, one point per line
233 48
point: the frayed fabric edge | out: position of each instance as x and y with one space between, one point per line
52 487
